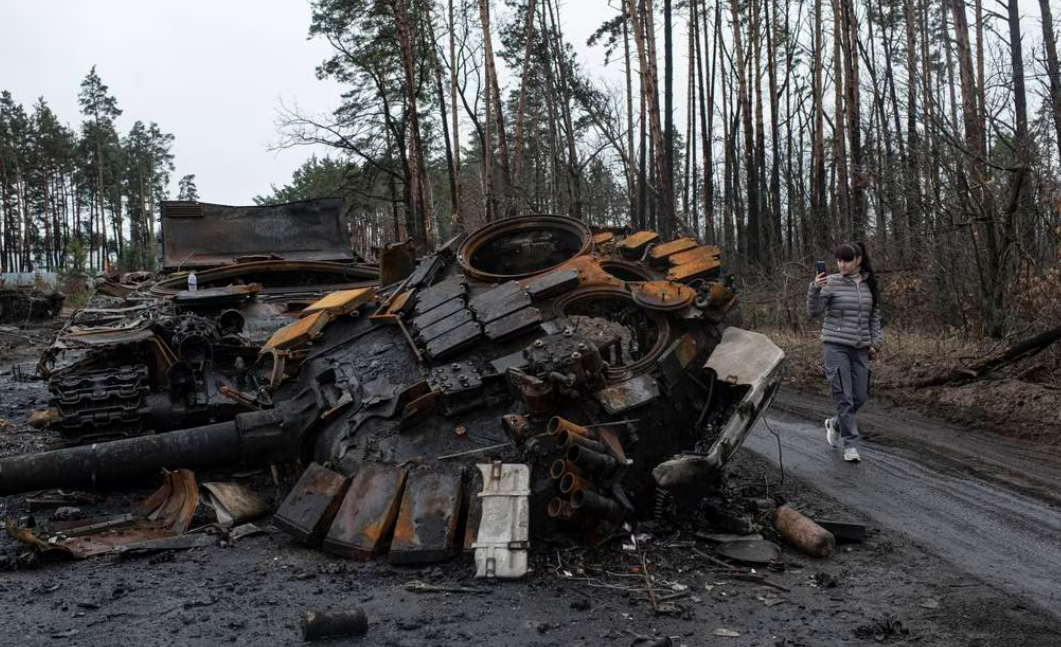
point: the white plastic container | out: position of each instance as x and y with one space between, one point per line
193 283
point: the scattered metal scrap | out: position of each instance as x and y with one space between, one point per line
590 361
161 521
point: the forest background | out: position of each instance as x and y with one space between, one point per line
929 130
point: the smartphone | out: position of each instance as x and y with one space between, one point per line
819 268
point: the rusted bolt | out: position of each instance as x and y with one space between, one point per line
576 355
456 366
581 345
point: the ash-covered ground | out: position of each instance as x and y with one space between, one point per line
663 581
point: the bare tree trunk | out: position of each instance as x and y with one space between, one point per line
842 212
631 168
517 143
748 238
563 100
852 101
418 204
644 37
668 117
819 204
773 36
488 147
1053 70
707 123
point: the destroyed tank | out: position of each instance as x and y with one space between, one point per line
596 368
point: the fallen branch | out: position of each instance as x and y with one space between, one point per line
978 369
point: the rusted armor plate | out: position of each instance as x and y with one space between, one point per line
366 517
701 268
513 324
635 392
553 284
663 295
426 530
299 333
341 302
309 508
455 340
695 254
663 250
634 245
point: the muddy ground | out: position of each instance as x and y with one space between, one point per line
672 584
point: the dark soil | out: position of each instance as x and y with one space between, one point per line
666 581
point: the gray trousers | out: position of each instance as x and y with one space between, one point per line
847 371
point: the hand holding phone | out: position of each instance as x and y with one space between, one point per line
819 268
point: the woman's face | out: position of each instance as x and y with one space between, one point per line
847 267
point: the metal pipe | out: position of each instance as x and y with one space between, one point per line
596 505
568 439
559 508
591 461
571 482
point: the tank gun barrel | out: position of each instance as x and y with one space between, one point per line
253 438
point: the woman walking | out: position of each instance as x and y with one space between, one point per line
851 336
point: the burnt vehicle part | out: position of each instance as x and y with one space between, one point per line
29 296
28 304
579 359
152 356
198 235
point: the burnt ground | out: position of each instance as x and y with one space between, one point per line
887 589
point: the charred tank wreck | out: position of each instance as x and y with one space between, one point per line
572 374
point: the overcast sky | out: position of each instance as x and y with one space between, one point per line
211 72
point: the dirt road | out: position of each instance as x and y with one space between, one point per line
957 493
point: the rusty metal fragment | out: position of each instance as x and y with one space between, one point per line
363 526
699 268
308 511
299 333
663 295
633 246
661 252
340 303
426 529
631 394
233 503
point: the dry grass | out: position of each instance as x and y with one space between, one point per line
1021 399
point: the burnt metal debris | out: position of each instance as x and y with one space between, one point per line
29 296
604 365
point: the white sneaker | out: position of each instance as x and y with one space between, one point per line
851 455
831 434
